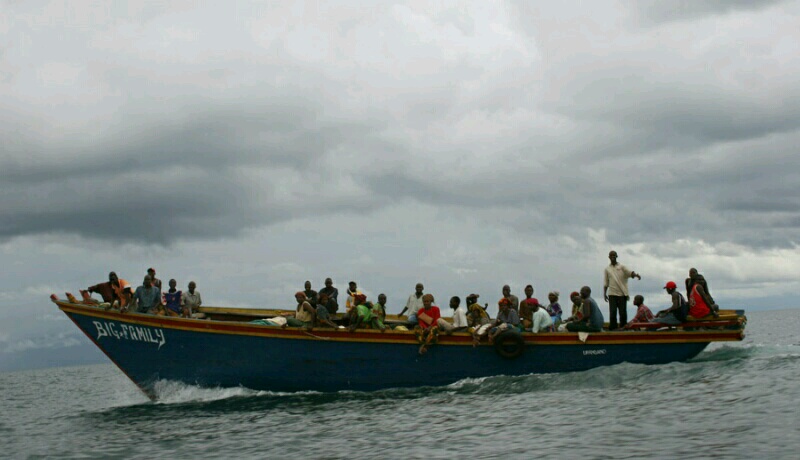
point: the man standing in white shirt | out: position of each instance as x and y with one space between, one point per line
459 318
615 290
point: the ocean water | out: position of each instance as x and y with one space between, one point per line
739 400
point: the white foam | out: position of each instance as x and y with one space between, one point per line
170 392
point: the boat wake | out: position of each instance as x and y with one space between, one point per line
171 392
618 376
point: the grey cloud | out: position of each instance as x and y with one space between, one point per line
158 181
659 12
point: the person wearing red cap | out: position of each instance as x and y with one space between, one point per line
676 314
155 281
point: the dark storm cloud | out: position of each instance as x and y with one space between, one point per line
171 179
657 12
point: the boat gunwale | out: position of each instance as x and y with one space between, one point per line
400 337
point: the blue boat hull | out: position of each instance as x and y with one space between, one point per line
210 353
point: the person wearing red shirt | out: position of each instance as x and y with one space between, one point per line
427 330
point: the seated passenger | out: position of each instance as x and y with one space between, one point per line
105 290
413 305
427 330
172 301
155 281
526 311
507 318
643 314
477 318
591 316
192 301
379 308
676 314
122 292
311 295
147 298
323 317
331 291
361 315
554 308
459 318
305 315
577 311
513 301
700 303
696 278
542 321
324 301
352 291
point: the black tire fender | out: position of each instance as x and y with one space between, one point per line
509 344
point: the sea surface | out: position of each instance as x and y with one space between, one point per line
739 400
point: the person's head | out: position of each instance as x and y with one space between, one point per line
552 296
152 272
427 301
532 303
353 286
612 256
503 304
529 291
328 282
192 286
575 297
455 301
300 296
670 287
638 300
418 289
692 273
148 281
382 299
323 298
308 285
586 291
506 290
112 277
471 299
173 284
359 299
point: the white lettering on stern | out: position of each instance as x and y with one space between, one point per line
120 331
594 352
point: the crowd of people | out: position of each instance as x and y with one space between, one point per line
420 314
148 298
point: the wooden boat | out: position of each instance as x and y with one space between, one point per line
226 350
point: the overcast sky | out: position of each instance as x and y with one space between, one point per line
250 147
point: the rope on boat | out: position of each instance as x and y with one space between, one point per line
316 336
